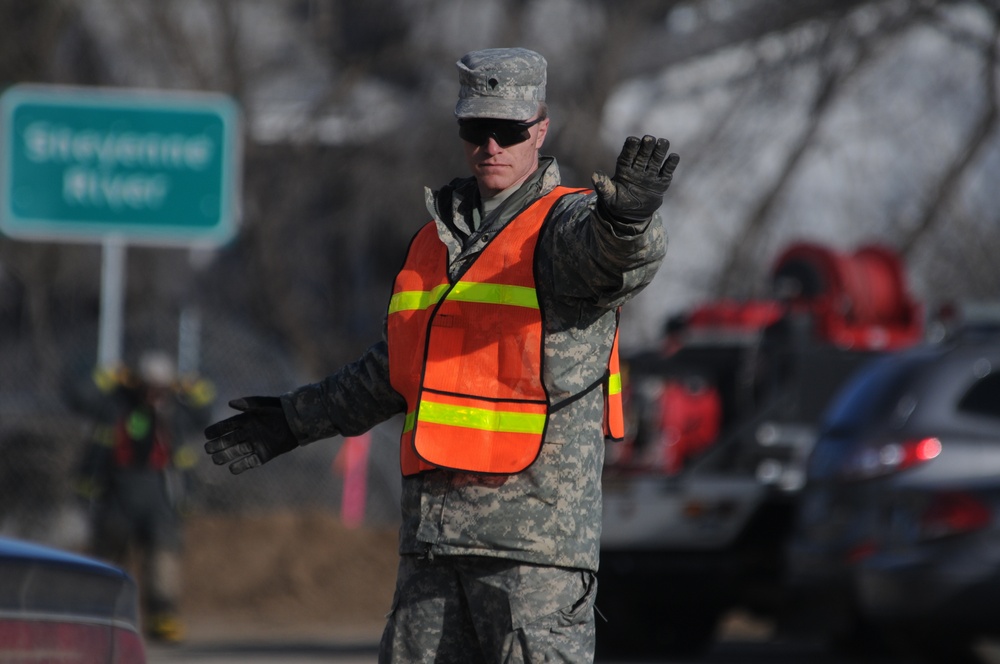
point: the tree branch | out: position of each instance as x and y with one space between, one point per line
964 159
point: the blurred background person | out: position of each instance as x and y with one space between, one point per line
134 476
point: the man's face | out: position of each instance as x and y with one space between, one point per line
497 168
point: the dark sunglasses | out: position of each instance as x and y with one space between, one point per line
504 132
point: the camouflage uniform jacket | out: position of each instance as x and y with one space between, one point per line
550 513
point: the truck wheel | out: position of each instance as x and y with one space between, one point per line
690 635
635 625
926 646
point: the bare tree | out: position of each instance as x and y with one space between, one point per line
974 146
834 73
321 238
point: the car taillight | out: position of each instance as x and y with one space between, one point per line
954 513
876 461
55 638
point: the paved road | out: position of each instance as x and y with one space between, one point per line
315 652
741 641
334 653
278 652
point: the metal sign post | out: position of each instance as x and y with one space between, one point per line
109 340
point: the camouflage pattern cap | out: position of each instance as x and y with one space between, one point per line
501 83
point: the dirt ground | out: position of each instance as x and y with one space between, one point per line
285 574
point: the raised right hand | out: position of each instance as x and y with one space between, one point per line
642 175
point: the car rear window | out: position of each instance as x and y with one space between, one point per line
983 398
873 393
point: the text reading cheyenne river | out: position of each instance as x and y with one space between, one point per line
115 169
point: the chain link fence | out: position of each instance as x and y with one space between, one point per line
42 434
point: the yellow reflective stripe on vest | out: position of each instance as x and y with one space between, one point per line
409 421
416 300
471 291
615 383
481 418
465 291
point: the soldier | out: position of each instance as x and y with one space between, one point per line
500 347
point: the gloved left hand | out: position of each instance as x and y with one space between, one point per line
643 172
254 437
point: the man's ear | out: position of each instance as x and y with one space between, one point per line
543 130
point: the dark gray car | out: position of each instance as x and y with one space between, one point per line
57 606
898 532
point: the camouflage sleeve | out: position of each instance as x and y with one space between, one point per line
595 261
348 402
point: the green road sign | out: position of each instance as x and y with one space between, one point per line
145 167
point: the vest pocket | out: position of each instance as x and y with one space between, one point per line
478 435
444 320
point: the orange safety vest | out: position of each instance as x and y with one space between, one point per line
614 412
467 356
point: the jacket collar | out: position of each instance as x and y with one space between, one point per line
452 205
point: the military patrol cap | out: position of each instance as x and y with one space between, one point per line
500 83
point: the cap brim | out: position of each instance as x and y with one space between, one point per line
497 109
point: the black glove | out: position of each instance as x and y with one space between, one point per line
255 436
642 174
